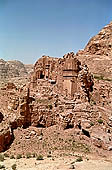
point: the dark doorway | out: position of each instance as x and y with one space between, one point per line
41 75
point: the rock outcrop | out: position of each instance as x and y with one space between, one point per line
98 53
101 44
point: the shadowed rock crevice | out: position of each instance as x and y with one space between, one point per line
6 137
1 117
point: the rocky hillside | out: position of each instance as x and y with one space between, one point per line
98 53
101 44
11 69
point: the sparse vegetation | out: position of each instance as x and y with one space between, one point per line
28 155
6 155
92 102
19 156
12 157
101 77
2 167
50 106
79 146
91 123
39 157
45 101
107 79
79 159
100 121
14 167
1 157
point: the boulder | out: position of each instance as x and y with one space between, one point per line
100 138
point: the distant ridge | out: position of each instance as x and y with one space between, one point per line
11 69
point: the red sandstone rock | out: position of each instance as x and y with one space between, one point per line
6 137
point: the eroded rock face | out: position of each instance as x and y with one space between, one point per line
43 118
25 109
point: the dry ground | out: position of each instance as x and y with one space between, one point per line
60 163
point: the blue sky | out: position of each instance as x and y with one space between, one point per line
32 28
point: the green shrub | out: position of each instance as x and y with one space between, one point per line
50 106
19 156
1 157
14 167
2 166
99 77
39 157
91 123
100 121
92 102
107 79
6 155
12 157
79 159
28 155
